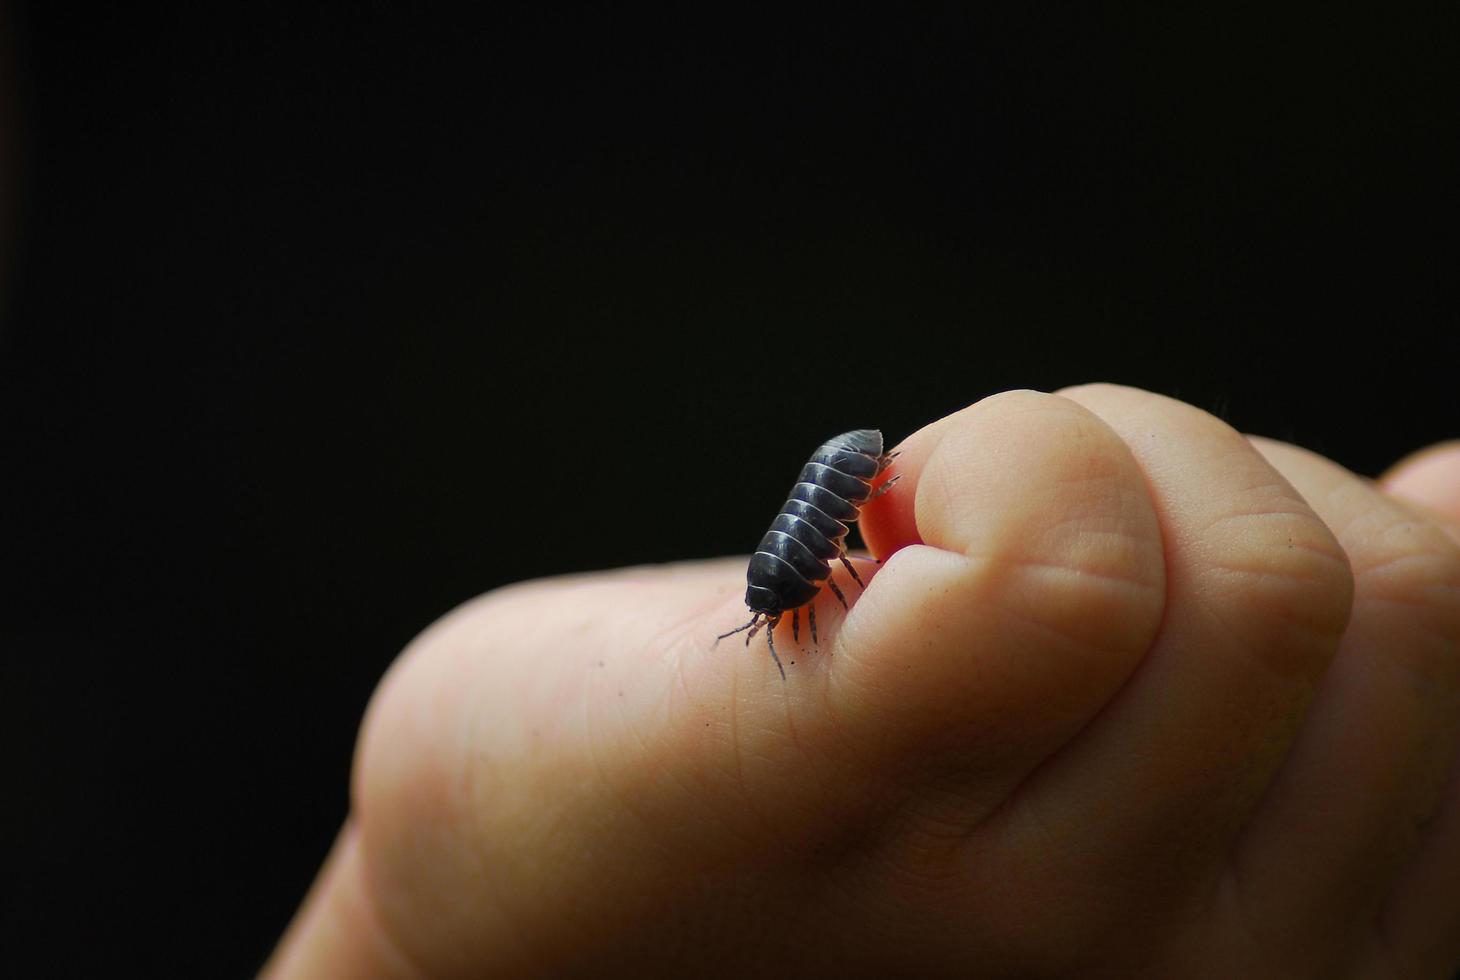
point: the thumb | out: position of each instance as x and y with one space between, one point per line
1028 585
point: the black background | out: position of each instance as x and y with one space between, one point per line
320 322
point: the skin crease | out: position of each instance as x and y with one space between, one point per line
1131 695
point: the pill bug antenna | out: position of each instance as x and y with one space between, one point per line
754 626
738 629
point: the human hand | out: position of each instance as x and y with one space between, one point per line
1132 695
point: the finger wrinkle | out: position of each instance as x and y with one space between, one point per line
1281 508
1415 576
1046 626
1084 574
1314 621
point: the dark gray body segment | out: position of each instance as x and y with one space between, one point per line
794 557
793 560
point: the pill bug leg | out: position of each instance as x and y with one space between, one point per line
838 593
811 618
884 488
796 625
754 630
852 568
770 638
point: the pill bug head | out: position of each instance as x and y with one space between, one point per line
763 600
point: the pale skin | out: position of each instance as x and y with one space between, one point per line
1132 695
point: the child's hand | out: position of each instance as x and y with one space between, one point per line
1131 696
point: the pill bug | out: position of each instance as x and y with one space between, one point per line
793 560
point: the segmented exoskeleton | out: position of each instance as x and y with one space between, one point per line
793 560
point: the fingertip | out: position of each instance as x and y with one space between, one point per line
891 522
1007 461
1429 478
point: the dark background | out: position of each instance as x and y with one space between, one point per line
317 323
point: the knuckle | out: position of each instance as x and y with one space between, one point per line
1103 390
1407 581
1278 579
1076 555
